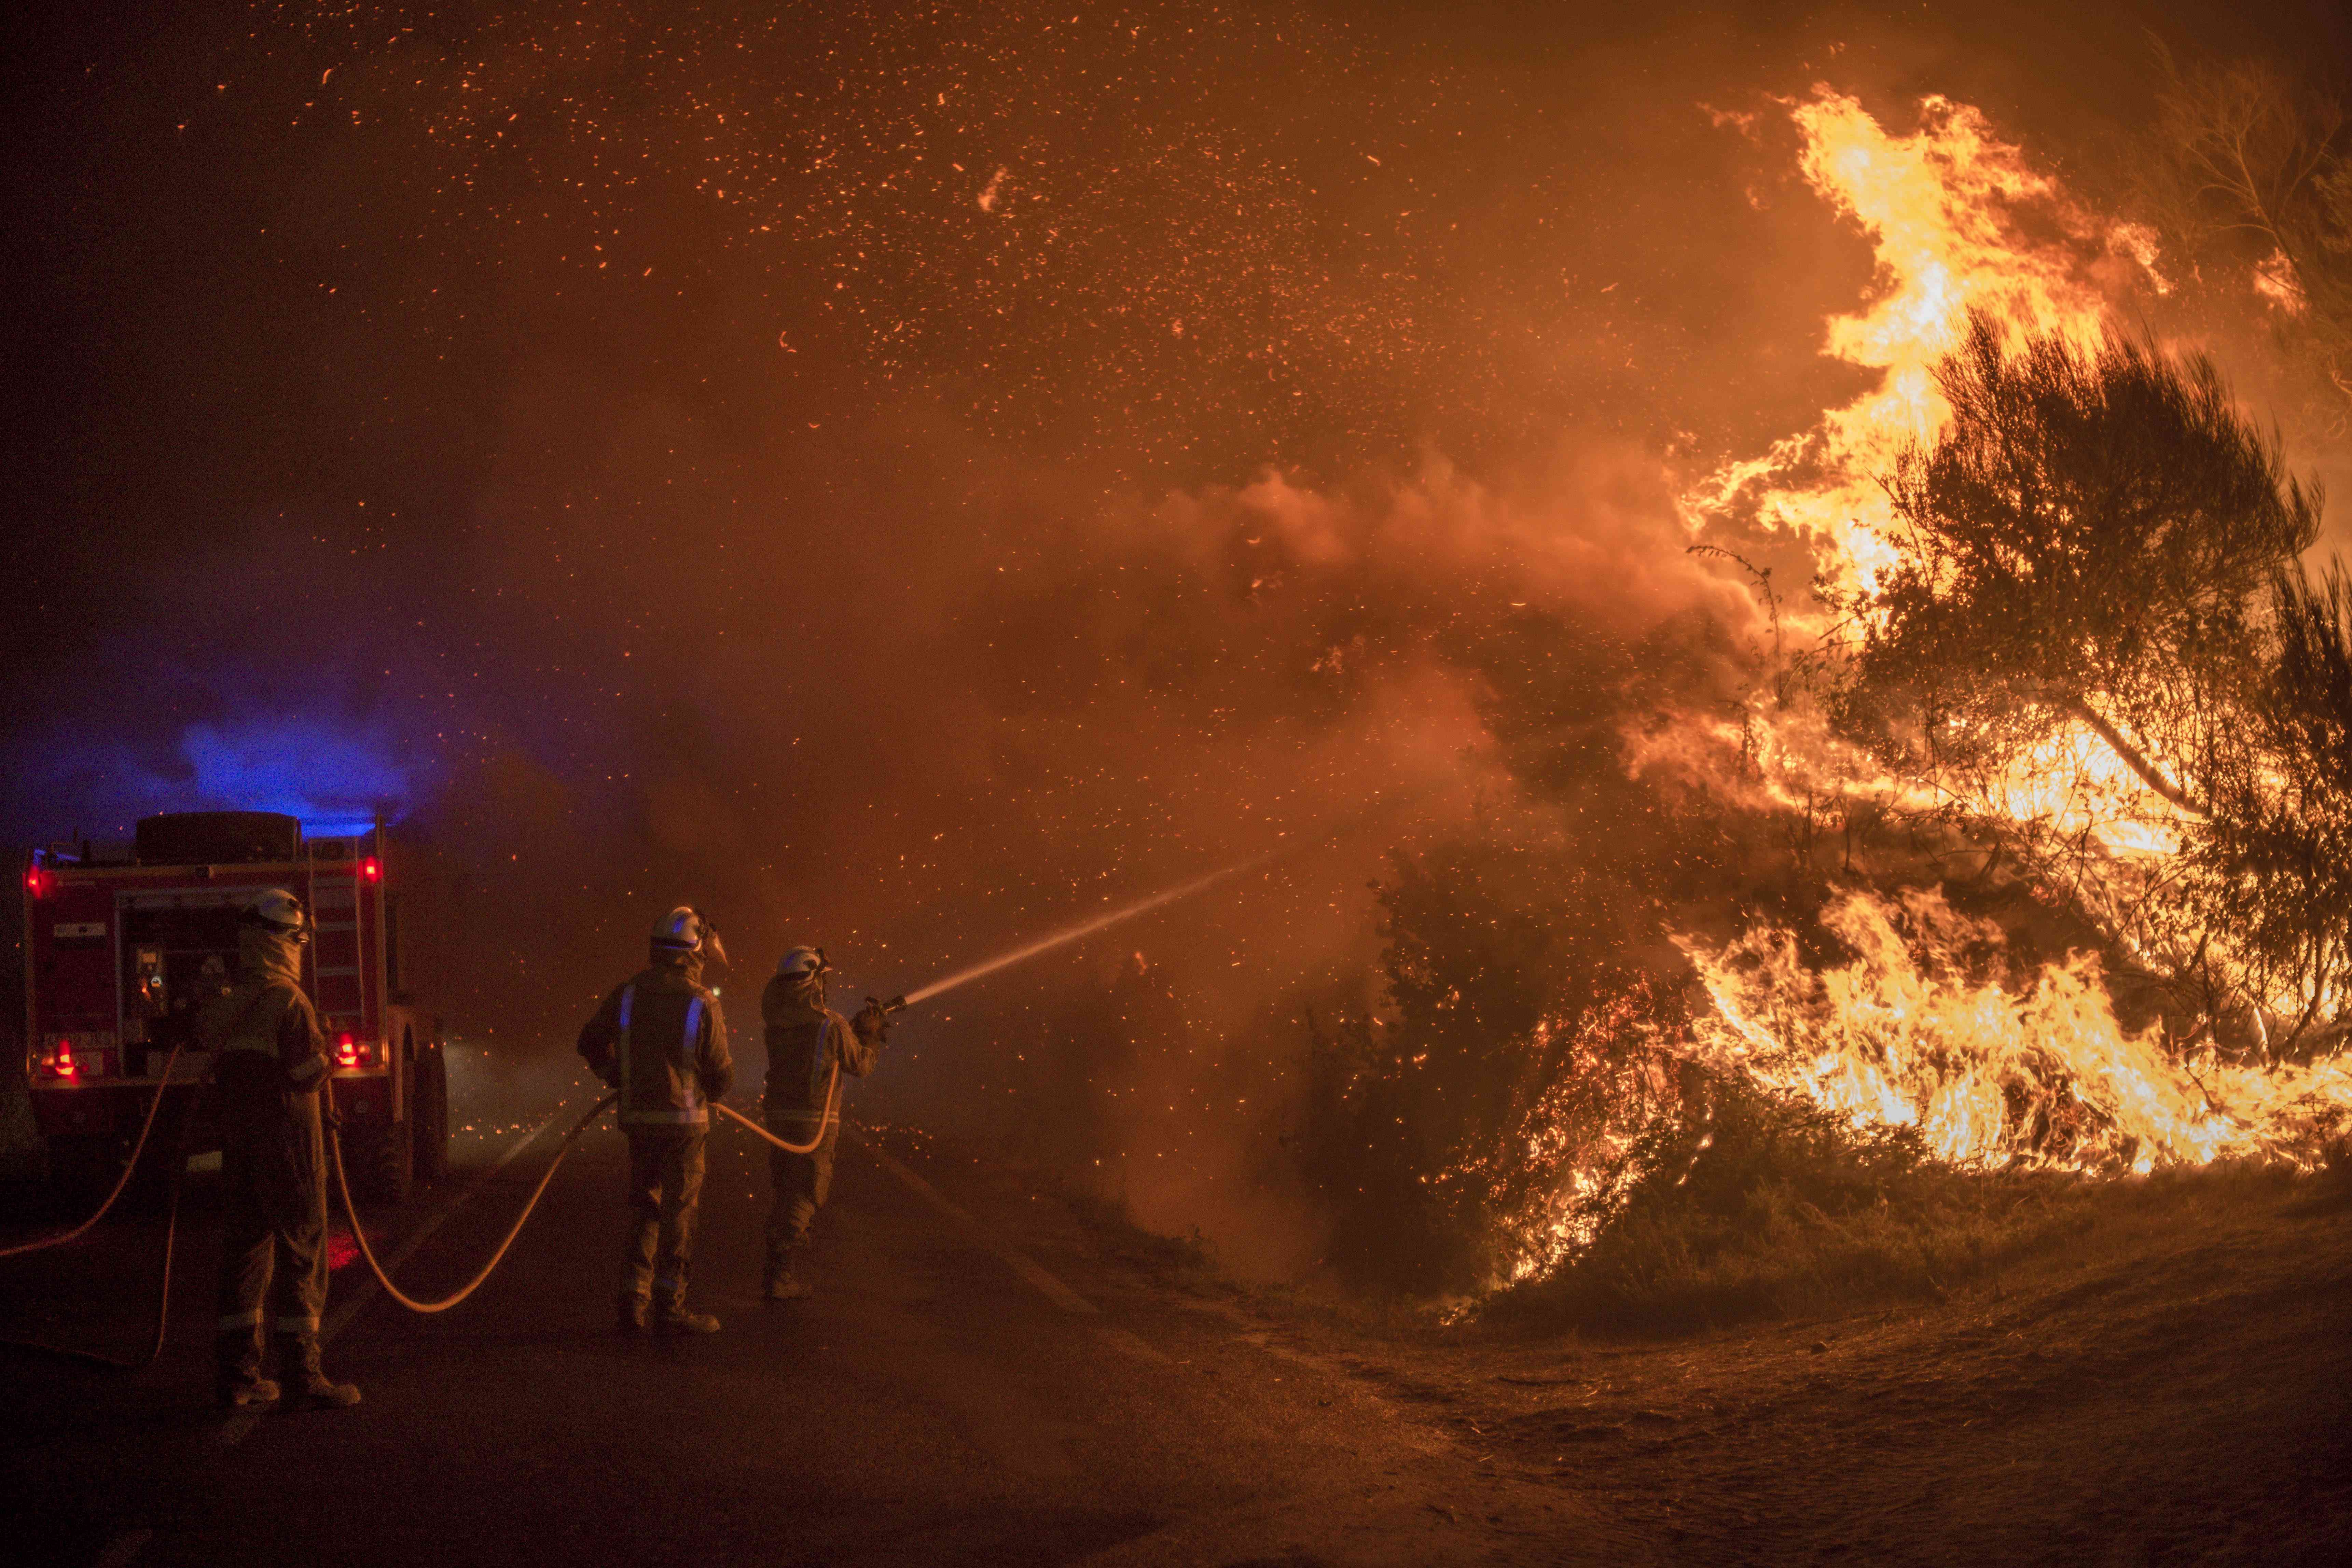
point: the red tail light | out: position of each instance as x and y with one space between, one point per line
60 1062
349 1052
370 869
38 882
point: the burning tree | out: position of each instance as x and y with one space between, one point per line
1447 1130
2087 551
2272 863
2250 170
2078 726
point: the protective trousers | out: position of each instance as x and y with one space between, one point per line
665 1188
273 1242
802 1182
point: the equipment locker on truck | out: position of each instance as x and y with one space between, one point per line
125 943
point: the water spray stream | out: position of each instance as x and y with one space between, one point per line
1100 922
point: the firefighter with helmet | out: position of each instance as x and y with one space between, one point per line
660 1039
270 1062
809 1047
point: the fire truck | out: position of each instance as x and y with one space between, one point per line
124 943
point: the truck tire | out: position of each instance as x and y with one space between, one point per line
381 1162
430 1112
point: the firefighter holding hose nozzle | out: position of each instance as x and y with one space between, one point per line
270 1062
809 1047
660 1039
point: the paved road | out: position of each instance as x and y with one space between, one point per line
981 1380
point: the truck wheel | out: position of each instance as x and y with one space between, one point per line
431 1113
385 1160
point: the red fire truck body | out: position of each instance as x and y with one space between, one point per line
125 943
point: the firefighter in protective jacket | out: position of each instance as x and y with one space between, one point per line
270 1059
809 1047
660 1039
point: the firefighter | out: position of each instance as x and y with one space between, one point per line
661 1040
809 1046
269 1065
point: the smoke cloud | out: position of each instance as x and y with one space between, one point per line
908 484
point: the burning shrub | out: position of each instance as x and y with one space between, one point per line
2088 685
1762 1205
1928 1026
1446 1133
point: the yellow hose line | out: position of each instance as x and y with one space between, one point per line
121 1181
832 1108
358 1232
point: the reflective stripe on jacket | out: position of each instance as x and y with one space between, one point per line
661 1039
805 1043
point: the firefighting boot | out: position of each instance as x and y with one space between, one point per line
237 1382
631 1316
321 1391
676 1319
246 1394
314 1388
780 1282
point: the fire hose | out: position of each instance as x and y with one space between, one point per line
121 1181
171 1239
358 1232
367 1252
832 1112
832 1088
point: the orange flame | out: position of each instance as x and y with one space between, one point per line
1992 1068
1958 219
2044 1074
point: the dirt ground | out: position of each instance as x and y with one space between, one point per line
2168 1382
2172 1385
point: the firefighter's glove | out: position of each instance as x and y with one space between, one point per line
872 1024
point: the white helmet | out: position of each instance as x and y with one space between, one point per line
803 963
278 912
687 929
